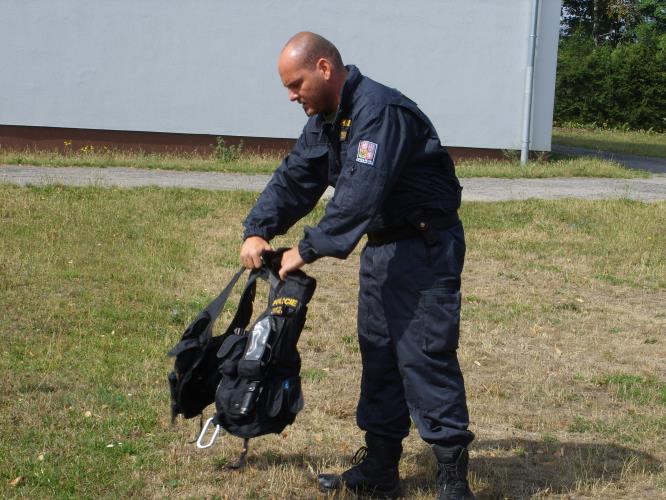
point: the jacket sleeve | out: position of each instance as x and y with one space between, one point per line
378 148
291 193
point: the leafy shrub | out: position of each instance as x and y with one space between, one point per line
622 86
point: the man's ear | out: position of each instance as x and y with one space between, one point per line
325 67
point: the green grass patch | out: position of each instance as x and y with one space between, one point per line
313 374
632 428
632 142
640 390
248 163
550 236
566 167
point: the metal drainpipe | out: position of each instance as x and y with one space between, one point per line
529 85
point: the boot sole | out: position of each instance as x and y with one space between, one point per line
333 484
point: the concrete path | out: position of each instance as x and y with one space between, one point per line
652 164
474 189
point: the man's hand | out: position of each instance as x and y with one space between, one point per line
291 261
250 252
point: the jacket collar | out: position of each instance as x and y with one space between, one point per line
354 77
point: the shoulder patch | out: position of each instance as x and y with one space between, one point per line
367 152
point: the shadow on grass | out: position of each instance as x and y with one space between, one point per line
520 468
265 460
511 468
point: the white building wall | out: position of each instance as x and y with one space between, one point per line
209 66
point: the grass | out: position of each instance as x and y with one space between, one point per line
640 390
640 142
248 163
564 368
564 167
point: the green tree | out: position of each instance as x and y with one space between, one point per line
612 63
612 21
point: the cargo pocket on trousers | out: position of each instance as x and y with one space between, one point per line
441 320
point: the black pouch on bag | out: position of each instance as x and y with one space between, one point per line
260 391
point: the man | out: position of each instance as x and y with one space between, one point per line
394 182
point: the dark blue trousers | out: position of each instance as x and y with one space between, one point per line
408 329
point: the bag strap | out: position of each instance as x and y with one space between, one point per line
215 307
246 302
243 314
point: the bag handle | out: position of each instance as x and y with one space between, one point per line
216 306
246 303
269 272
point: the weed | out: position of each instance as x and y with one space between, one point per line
226 153
609 278
313 374
350 343
509 275
661 483
639 390
583 425
511 155
567 306
632 428
348 340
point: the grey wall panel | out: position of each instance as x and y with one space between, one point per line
209 66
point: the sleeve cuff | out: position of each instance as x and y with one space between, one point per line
308 254
255 231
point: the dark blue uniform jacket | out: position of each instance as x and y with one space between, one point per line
382 155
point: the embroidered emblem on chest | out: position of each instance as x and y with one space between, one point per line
367 152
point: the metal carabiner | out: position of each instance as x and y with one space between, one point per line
203 432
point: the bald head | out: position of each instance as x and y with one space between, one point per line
309 47
311 69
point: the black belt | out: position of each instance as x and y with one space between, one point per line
418 224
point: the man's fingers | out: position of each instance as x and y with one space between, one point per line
250 254
291 261
246 260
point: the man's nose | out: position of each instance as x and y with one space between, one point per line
293 96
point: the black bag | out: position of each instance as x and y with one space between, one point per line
251 374
260 391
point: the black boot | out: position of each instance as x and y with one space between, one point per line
374 472
452 474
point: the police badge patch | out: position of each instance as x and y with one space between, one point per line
367 151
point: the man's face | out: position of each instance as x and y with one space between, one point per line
306 86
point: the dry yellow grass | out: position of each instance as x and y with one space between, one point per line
562 348
539 330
